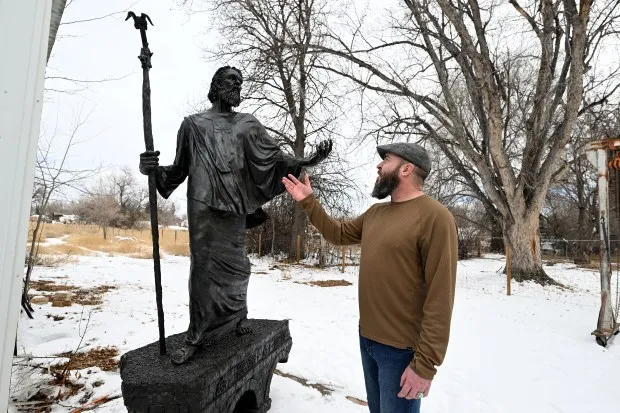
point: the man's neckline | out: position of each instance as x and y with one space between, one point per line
422 195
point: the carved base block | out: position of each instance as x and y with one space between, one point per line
232 375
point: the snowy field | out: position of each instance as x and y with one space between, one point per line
530 352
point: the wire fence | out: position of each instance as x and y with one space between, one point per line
573 264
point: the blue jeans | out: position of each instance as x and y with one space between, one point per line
383 366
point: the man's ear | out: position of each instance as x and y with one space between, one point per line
407 170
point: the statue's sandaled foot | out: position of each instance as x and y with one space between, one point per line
243 327
183 354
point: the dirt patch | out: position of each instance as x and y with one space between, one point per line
357 401
102 357
92 296
259 273
51 286
82 296
55 317
321 388
326 283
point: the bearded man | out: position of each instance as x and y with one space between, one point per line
233 168
406 280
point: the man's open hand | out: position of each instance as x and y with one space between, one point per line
298 190
411 385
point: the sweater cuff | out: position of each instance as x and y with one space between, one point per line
307 202
422 368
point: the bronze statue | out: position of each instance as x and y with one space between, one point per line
233 168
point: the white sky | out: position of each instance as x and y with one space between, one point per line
109 48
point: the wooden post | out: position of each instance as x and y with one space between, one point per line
260 244
298 248
343 257
175 237
508 276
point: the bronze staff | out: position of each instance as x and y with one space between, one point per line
141 23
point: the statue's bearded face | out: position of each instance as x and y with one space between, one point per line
230 87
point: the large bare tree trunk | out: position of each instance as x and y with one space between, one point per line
523 236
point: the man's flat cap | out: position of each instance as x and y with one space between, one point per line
411 152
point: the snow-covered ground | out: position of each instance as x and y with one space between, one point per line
530 352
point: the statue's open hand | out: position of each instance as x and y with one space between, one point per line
298 190
321 153
149 161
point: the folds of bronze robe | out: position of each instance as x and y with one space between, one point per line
233 168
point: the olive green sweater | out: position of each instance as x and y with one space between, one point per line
407 273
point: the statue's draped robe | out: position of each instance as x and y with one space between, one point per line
233 168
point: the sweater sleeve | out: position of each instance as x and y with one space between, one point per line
439 256
335 232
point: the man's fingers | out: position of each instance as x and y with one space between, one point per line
287 183
405 389
292 178
307 180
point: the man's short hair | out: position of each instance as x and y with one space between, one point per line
217 78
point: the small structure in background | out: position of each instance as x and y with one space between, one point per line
605 154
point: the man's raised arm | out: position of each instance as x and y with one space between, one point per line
335 232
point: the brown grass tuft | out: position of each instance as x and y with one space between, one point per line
83 296
326 283
102 357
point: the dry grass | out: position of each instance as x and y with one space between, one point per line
102 357
53 261
82 296
324 389
62 249
326 283
357 401
179 249
135 243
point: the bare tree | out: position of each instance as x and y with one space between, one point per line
572 201
285 86
100 208
52 176
131 197
498 87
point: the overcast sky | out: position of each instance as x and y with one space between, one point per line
108 49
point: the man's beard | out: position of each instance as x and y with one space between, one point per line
231 97
385 185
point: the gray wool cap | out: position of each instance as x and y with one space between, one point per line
411 152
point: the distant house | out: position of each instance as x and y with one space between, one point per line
68 219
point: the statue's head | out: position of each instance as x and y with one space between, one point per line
226 86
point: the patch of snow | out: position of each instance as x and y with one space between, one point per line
531 351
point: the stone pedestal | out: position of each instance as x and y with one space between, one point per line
232 375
